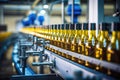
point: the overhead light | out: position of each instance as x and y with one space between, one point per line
45 6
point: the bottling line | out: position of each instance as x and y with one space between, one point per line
69 51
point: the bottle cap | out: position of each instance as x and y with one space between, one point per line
92 26
55 26
72 27
115 26
52 26
62 26
67 26
85 26
78 26
58 26
104 26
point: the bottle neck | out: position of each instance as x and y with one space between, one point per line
86 32
114 36
60 31
83 32
92 32
77 33
104 33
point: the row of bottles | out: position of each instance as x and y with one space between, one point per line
81 38
77 38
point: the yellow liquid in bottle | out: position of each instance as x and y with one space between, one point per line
67 42
101 46
55 35
113 51
73 41
90 44
81 45
63 39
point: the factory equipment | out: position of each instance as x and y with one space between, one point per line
75 51
83 56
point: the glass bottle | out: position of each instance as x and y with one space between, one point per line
82 41
59 38
63 37
113 49
55 35
78 36
60 34
51 36
90 43
101 46
67 42
73 37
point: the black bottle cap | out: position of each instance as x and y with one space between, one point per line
72 27
92 26
52 26
58 26
55 26
115 26
104 26
62 26
85 26
67 26
78 26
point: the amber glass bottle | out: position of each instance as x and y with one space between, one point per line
101 46
62 36
55 34
85 26
90 43
50 33
82 41
65 34
113 50
58 36
73 38
48 36
51 36
67 42
78 36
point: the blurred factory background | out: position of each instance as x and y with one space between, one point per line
12 11
59 39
